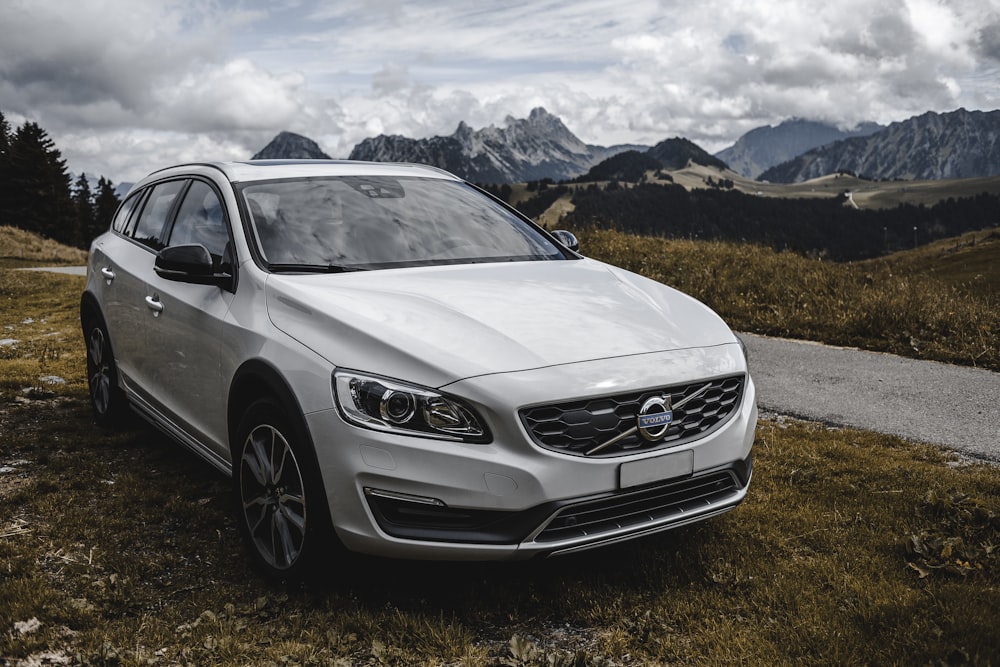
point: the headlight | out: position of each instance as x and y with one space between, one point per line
397 407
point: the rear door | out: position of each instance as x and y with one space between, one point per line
125 261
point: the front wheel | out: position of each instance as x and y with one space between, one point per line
106 398
278 492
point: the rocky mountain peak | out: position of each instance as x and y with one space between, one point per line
957 144
291 146
525 149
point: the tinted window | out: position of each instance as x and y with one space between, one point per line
150 227
200 220
123 213
381 222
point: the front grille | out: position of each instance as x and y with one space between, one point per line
637 508
578 427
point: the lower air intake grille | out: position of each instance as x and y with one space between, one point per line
628 510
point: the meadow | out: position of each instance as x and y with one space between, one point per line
118 547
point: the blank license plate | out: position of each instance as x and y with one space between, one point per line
637 473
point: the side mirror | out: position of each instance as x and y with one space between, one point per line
190 264
568 239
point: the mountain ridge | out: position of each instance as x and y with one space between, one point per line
524 149
931 146
764 147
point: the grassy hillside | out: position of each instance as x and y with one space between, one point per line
970 262
21 248
864 193
872 306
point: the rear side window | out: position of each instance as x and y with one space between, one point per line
150 228
124 213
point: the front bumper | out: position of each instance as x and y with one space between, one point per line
409 497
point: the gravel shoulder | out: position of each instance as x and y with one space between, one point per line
923 401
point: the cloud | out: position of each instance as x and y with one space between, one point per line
234 95
124 85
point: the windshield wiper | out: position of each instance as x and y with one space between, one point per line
313 268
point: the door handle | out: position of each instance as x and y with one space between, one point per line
154 304
108 274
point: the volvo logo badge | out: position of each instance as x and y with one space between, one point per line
655 417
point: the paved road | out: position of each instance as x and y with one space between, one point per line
69 270
924 401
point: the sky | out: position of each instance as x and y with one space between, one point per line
125 87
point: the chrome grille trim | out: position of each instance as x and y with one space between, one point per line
601 425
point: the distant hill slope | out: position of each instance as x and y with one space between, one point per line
677 152
959 144
534 148
765 147
969 262
629 166
22 248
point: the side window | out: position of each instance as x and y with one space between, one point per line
124 212
200 220
150 228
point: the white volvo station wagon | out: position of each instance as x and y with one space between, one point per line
387 359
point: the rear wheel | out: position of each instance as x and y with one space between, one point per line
106 398
279 495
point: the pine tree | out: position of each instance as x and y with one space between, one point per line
105 204
83 203
39 192
5 175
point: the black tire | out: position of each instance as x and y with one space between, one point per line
280 502
107 400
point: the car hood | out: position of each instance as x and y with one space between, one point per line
436 325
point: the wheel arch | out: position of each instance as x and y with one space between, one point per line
257 379
89 304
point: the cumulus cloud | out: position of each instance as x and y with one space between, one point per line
233 95
124 86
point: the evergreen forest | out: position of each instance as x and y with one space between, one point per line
818 227
37 193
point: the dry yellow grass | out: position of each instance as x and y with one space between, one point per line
871 306
118 548
21 248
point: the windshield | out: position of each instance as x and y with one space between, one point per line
368 222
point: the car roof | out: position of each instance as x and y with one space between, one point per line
265 170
